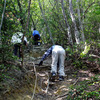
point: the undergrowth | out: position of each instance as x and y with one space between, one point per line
85 90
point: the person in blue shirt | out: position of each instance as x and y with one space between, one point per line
58 57
36 36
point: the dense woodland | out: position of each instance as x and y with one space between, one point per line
74 24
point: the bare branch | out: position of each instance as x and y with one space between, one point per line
88 8
35 82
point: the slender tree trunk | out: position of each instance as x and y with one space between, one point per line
0 30
80 22
69 32
2 19
60 27
61 23
33 24
46 22
28 18
73 20
22 23
27 24
20 9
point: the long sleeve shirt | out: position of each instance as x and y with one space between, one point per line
49 51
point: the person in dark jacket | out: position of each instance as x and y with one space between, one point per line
36 37
58 57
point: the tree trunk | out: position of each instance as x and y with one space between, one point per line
74 23
80 22
2 20
20 9
57 18
46 22
1 43
99 27
67 25
27 23
33 24
28 18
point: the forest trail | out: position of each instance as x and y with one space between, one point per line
47 90
44 89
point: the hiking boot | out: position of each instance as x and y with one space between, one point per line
53 75
61 78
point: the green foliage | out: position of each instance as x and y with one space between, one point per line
3 74
92 21
71 50
82 91
56 22
78 64
86 49
73 55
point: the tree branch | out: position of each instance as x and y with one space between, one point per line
88 8
20 9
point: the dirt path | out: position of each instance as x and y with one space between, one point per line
36 83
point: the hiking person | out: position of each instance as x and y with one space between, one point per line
36 37
17 41
58 57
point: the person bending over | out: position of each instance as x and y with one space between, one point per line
58 58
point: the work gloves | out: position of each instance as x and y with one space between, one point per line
40 63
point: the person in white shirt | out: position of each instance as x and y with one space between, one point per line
17 41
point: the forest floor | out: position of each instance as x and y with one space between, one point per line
33 83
